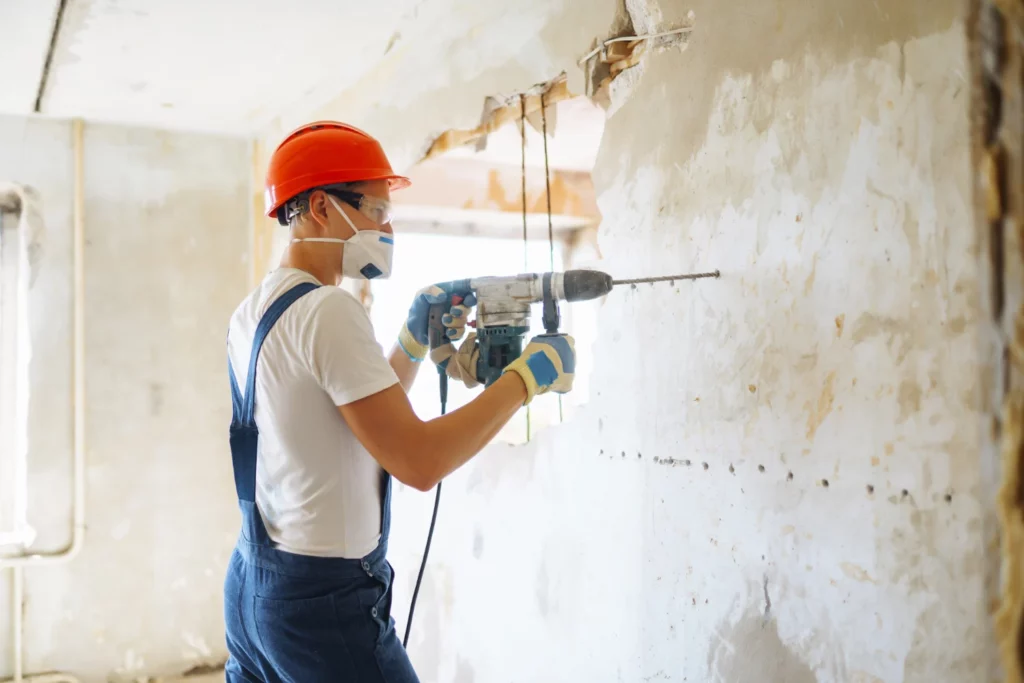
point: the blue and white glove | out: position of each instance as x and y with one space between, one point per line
548 363
414 337
460 365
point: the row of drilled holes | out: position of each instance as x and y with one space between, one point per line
870 488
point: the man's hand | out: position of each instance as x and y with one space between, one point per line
461 364
548 363
414 337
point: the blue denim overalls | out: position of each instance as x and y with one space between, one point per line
299 618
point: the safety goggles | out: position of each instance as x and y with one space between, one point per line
376 209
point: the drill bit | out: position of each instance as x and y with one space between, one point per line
665 278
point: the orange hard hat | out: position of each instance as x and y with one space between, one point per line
324 153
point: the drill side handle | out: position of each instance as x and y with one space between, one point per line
551 316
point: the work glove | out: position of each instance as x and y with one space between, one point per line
548 363
414 338
459 364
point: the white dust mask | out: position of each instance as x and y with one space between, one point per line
367 253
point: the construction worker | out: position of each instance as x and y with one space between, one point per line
321 422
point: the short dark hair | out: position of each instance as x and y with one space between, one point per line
299 204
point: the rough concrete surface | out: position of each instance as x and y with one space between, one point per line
166 220
791 492
777 476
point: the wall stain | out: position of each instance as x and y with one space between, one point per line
909 399
809 283
869 325
857 573
824 406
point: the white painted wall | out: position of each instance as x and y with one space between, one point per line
166 219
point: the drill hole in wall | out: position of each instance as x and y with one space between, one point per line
760 468
904 493
789 476
705 465
871 489
732 470
824 483
948 497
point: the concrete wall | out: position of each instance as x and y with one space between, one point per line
777 477
680 527
166 219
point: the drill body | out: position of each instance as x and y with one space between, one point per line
503 311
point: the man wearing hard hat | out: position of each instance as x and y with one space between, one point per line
321 422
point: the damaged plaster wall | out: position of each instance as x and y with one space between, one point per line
166 229
777 477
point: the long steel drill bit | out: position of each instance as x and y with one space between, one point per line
666 278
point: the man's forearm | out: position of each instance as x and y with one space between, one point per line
405 367
462 433
420 453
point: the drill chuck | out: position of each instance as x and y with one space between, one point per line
584 285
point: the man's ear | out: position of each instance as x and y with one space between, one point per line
318 208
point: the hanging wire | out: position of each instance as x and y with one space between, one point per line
526 253
522 128
547 194
547 179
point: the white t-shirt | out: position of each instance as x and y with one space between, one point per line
317 489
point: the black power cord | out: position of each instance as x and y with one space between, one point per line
433 521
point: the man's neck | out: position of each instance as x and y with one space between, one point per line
324 269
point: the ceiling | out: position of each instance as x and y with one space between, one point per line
231 66
215 65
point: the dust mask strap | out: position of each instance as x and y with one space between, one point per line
332 240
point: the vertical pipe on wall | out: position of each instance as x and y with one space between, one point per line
78 334
68 553
18 613
77 377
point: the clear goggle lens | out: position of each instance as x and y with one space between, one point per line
376 209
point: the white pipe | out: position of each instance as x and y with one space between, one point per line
17 602
78 378
68 553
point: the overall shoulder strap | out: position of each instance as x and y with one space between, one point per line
245 404
236 395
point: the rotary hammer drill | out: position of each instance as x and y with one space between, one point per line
503 311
